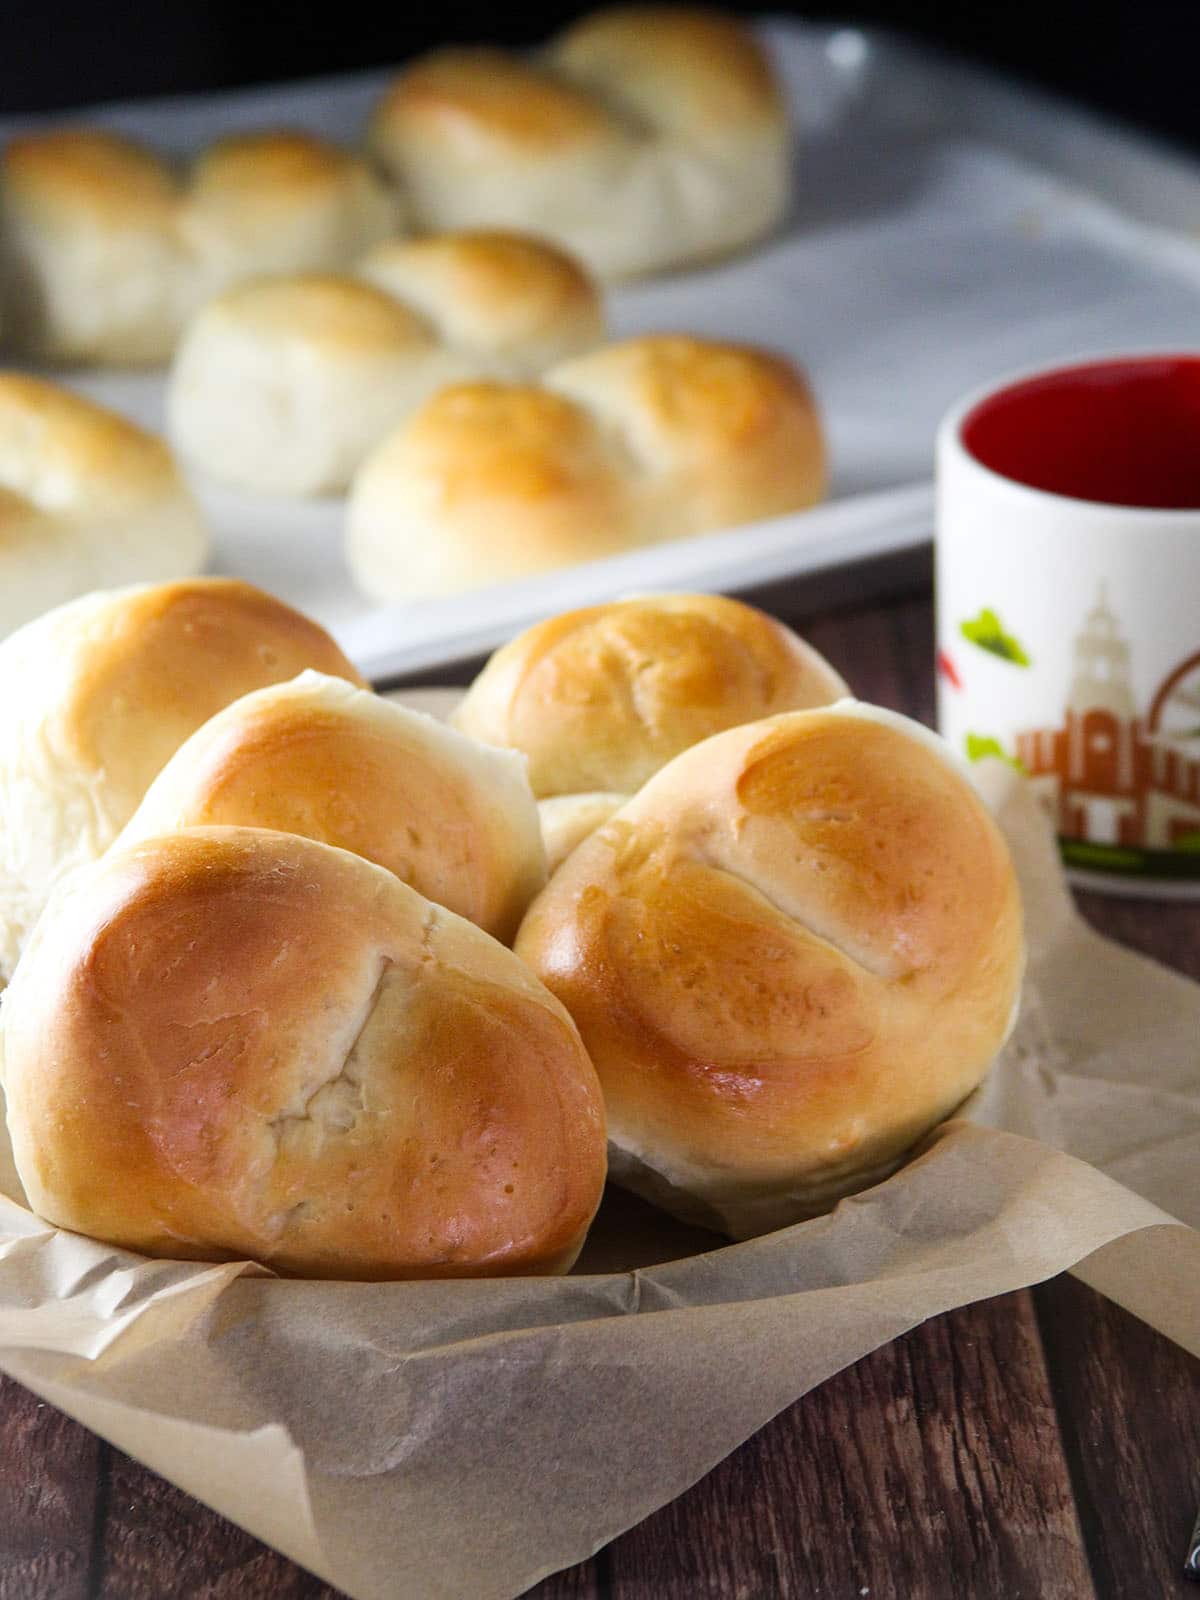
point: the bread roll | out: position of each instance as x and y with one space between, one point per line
318 757
600 699
795 951
97 695
507 298
284 385
87 501
568 819
237 1043
651 439
640 139
109 249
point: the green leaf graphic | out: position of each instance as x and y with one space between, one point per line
980 745
988 633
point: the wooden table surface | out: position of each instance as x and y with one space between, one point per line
1040 1446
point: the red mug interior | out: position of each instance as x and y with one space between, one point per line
1120 433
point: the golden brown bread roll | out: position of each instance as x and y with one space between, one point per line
238 1043
651 439
87 501
109 250
601 698
641 138
318 757
795 951
283 385
98 694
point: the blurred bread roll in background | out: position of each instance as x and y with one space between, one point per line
87 501
640 139
321 758
109 247
284 385
601 698
790 955
651 439
513 298
237 1043
97 695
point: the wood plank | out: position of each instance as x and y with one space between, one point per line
931 1468
863 647
1165 929
48 1496
158 1541
912 623
1129 1404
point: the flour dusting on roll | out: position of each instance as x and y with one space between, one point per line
790 955
232 1043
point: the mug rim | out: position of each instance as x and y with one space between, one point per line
950 440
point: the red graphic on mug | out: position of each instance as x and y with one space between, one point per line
945 665
1109 775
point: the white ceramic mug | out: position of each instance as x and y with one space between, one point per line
1068 605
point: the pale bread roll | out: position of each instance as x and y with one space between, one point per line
453 818
601 698
97 695
87 501
794 952
568 819
235 1043
109 248
639 139
650 439
284 385
510 298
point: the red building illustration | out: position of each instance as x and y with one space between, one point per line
1109 775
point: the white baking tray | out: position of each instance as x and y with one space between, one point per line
947 227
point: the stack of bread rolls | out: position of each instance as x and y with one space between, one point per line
257 1024
300 975
448 382
265 1010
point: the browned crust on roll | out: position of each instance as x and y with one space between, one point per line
174 654
117 180
795 951
469 97
236 1043
48 434
602 697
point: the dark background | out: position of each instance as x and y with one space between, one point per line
1137 59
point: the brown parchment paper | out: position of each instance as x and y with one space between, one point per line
461 1440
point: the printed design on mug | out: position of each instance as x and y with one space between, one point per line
1122 787
988 632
